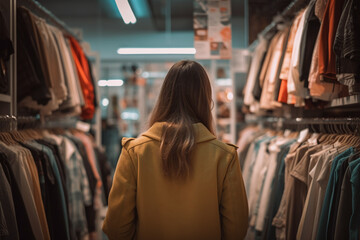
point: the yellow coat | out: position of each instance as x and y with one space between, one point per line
210 204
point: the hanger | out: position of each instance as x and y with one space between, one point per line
348 128
3 138
325 135
26 135
7 138
36 134
16 136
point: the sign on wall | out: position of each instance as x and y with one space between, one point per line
212 29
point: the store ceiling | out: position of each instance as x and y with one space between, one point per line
153 11
102 26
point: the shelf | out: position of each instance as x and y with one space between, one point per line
5 98
346 101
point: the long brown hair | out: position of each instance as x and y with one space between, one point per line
185 98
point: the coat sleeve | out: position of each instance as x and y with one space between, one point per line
234 206
120 220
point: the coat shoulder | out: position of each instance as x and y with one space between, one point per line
228 147
129 143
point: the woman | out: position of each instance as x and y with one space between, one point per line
177 181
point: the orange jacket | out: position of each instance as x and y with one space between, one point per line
83 70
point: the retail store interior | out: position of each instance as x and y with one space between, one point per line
77 76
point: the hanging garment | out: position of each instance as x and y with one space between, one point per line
308 40
284 72
18 163
8 225
83 71
256 63
325 215
328 28
347 47
294 86
31 75
268 90
6 50
22 218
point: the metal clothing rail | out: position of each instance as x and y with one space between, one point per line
280 121
8 123
350 126
354 121
27 122
287 13
322 121
42 12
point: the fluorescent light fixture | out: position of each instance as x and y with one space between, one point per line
223 82
115 83
153 74
125 11
111 83
130 116
156 51
102 83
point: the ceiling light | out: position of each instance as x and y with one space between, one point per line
115 82
156 51
130 116
111 83
125 11
102 83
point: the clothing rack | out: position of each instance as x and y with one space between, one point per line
8 123
24 122
349 126
27 122
8 103
352 121
41 11
288 13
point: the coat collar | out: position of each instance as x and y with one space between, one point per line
202 134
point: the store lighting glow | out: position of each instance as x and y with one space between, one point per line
153 74
229 96
115 82
105 102
145 74
126 11
130 116
111 83
156 51
224 82
102 83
